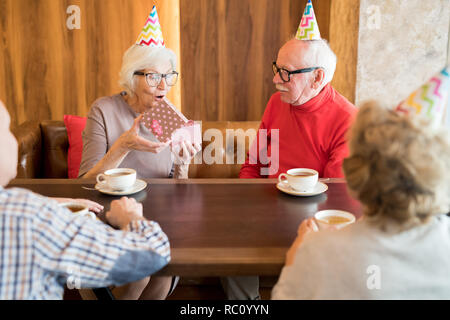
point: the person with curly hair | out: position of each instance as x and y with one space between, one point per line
399 169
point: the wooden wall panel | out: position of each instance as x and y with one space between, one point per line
344 32
227 49
226 46
47 70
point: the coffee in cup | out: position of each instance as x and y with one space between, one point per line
119 179
300 179
78 208
337 219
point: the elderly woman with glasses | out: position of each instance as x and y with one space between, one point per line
114 135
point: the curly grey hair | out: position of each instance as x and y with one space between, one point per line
398 167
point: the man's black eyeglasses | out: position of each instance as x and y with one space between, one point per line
285 75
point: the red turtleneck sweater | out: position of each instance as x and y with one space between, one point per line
312 135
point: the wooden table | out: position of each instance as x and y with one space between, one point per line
217 227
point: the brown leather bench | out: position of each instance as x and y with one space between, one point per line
43 150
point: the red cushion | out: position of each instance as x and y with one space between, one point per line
75 126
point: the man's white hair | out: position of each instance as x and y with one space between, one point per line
139 57
319 54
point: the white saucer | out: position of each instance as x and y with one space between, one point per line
139 185
318 189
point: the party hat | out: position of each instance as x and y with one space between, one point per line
308 28
151 34
430 100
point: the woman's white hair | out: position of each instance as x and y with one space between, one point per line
139 57
319 54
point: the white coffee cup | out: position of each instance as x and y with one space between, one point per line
335 219
118 179
78 208
300 179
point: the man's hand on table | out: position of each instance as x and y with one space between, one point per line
124 211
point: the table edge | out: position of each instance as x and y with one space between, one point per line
201 262
20 181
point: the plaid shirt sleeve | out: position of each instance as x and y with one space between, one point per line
89 254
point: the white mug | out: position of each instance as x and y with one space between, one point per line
322 219
78 208
119 179
300 179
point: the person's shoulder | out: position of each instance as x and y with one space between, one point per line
274 103
443 222
272 109
342 105
275 99
105 104
22 202
12 194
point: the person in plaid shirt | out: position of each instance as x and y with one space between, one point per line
44 246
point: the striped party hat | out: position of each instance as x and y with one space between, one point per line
308 28
430 100
151 34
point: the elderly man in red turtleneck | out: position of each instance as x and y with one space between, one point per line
306 123
311 116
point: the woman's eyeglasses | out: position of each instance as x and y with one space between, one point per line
154 79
